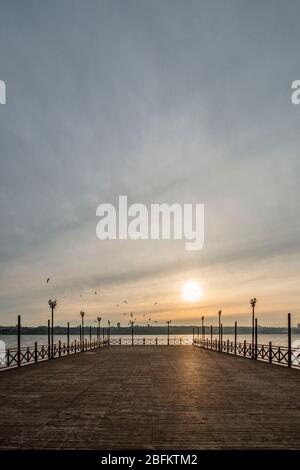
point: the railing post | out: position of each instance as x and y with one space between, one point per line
19 341
168 332
68 338
75 346
221 337
255 339
59 348
156 340
245 348
193 335
49 341
211 336
235 337
35 352
289 341
270 352
90 336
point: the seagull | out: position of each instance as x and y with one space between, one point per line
80 295
125 301
95 292
155 303
48 279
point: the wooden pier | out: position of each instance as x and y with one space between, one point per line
150 397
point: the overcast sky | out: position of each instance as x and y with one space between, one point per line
162 101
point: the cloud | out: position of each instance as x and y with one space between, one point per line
163 102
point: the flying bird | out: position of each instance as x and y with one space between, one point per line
48 279
125 301
95 292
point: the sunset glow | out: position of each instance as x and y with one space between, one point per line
192 291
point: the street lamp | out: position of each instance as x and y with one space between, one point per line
202 319
168 323
82 327
52 305
253 303
220 313
99 322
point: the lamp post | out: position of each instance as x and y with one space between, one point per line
82 328
132 323
253 303
52 305
220 313
168 323
99 330
108 331
202 319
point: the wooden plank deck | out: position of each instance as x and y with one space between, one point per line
150 397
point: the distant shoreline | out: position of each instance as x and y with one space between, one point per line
144 330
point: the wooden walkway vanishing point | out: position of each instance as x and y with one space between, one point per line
147 397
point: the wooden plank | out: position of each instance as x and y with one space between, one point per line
150 397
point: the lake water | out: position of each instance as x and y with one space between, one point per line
29 340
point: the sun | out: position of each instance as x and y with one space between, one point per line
192 291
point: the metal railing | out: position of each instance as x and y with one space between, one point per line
135 341
17 357
281 355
